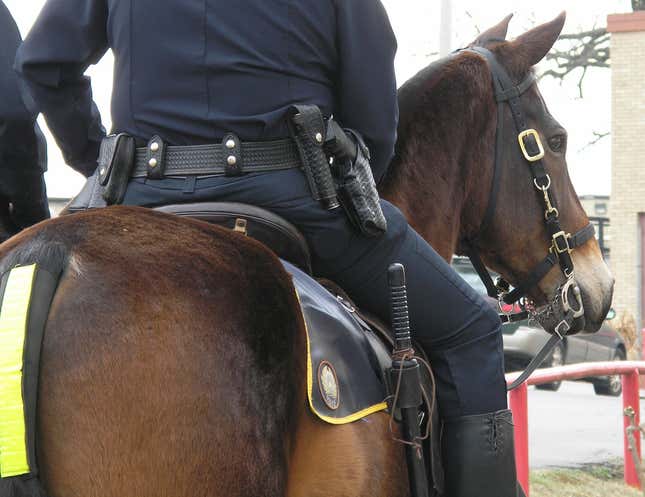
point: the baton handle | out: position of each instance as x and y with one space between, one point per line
399 308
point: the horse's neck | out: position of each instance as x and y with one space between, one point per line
439 177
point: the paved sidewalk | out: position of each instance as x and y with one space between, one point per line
574 426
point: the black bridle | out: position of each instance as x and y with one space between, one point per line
562 243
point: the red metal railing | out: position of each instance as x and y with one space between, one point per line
518 400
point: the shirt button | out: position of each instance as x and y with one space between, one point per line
152 162
231 160
319 137
154 146
230 144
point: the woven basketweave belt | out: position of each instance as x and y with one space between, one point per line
218 159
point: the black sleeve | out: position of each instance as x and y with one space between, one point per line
367 83
23 150
68 36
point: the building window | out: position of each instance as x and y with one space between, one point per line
601 209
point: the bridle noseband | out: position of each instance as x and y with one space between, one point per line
562 243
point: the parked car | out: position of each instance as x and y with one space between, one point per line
524 339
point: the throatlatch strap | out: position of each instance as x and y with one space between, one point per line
483 273
535 277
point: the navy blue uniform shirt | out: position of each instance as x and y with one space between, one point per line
193 70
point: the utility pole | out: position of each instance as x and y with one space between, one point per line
445 30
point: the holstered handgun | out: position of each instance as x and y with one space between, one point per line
355 184
339 144
309 132
116 163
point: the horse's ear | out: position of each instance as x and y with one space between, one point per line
496 33
531 47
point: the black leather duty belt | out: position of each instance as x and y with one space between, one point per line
229 158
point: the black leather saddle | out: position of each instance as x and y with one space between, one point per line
270 229
347 361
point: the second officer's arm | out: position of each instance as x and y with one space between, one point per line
23 150
68 36
367 83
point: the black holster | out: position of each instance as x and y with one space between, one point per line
308 130
336 164
357 191
115 165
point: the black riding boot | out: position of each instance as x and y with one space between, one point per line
479 456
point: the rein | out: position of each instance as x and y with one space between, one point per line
562 243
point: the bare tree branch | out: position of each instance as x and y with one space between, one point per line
470 16
598 137
579 51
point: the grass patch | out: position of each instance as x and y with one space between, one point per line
593 480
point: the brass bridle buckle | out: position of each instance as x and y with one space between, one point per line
561 243
523 136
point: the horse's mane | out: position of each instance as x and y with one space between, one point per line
424 80
433 103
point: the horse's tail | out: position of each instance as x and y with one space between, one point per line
173 361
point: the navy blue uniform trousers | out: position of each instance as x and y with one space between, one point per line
460 332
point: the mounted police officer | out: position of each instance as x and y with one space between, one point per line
23 149
229 76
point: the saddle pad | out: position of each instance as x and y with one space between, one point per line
344 378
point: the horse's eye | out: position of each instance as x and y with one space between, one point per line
557 142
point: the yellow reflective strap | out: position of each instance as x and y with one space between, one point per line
13 328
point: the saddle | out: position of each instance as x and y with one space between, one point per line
347 360
282 237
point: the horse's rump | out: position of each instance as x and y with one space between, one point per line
173 348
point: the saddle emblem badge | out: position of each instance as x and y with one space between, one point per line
328 385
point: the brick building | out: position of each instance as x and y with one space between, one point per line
628 164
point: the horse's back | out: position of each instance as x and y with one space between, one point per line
172 349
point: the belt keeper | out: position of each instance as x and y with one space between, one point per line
232 155
156 158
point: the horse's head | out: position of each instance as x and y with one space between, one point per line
516 239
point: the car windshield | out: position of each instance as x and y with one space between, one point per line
468 273
473 280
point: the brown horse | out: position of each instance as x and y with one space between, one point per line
174 355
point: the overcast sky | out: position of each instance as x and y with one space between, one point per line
416 24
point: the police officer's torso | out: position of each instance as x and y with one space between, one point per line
193 70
